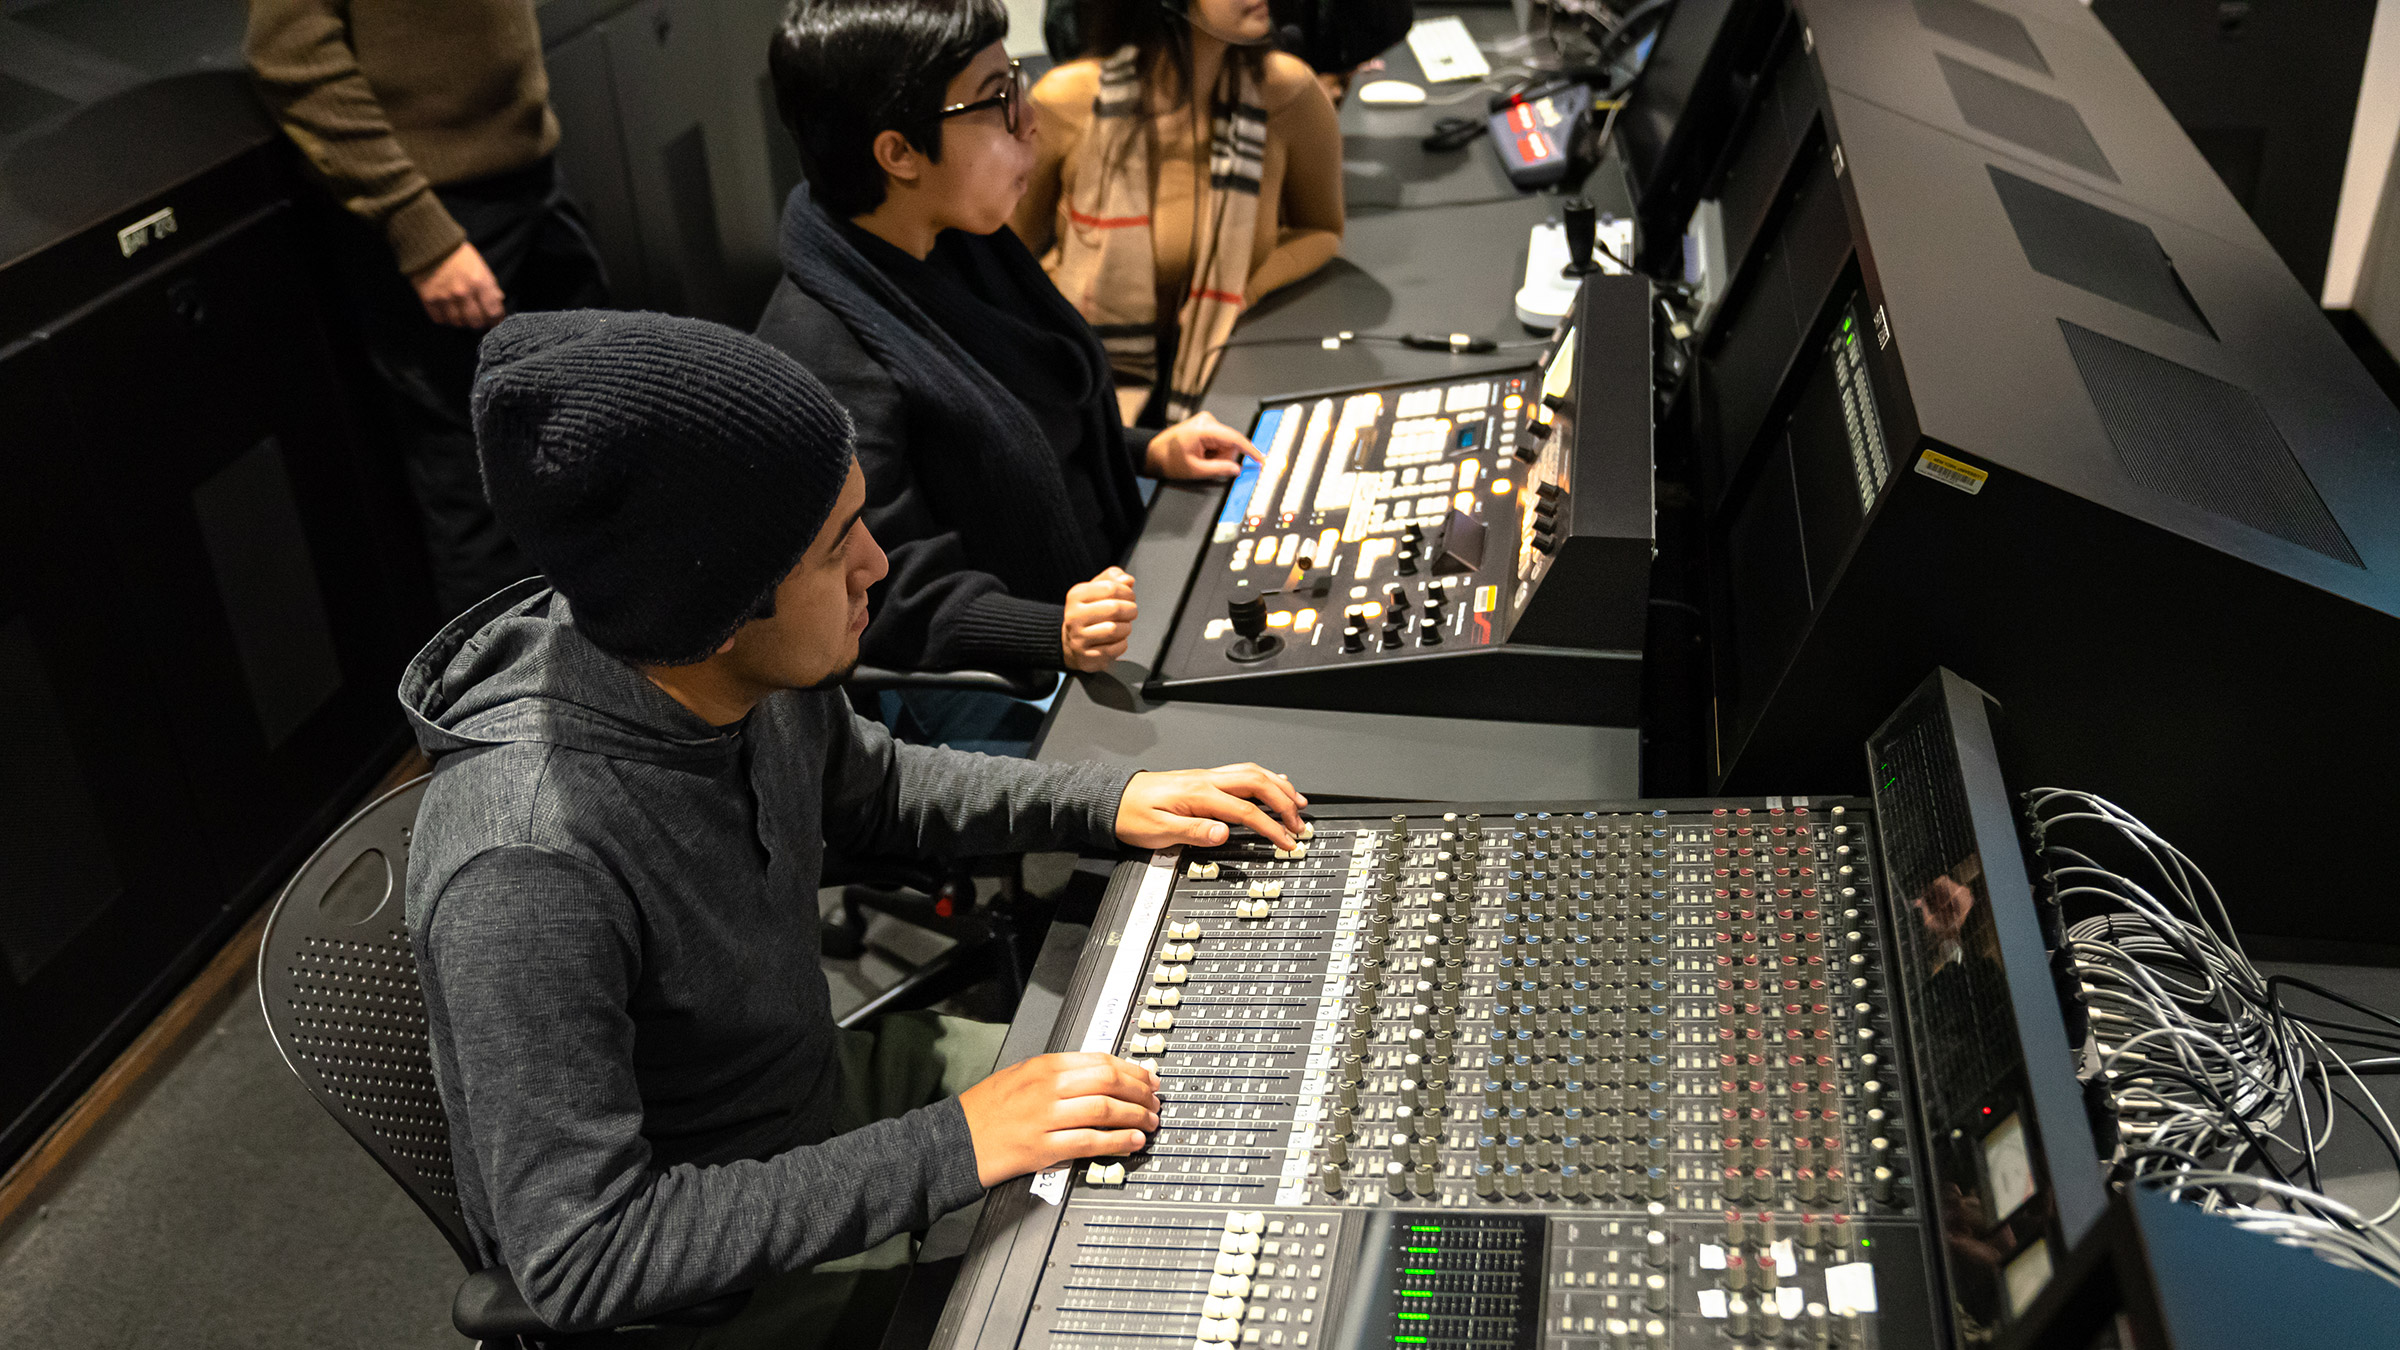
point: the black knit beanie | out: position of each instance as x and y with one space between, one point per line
664 473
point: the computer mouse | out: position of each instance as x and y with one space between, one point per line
1390 93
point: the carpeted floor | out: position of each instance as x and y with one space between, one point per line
227 1212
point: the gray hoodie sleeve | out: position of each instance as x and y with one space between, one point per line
532 957
882 797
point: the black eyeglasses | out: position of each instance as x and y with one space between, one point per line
1010 101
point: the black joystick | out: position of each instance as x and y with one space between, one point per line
1583 230
1251 640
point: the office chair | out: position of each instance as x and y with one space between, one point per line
338 984
993 940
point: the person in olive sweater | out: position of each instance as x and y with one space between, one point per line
430 121
1000 474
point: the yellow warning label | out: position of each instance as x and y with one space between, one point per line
1486 598
1957 473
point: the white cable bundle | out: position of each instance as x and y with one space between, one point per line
2200 1061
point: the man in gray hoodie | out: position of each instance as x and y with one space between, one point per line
639 766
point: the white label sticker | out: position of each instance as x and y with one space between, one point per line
1786 1265
1957 473
1788 1300
1116 992
1712 1303
1850 1287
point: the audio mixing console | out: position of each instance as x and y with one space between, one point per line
1566 1076
1407 548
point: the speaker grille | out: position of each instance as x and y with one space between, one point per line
2027 117
1984 28
2203 442
2098 250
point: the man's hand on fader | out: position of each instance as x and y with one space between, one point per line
1055 1108
1196 806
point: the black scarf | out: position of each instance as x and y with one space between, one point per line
962 417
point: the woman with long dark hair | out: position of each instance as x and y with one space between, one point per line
1185 170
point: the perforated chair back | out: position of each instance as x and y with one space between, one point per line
339 986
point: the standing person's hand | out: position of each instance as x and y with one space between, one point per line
1199 446
462 292
1053 1108
1099 620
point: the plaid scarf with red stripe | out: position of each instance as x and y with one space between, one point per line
1104 261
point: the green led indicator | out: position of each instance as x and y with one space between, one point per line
1418 1270
1424 1228
1422 1251
1866 1242
1416 1293
1416 1317
1408 1340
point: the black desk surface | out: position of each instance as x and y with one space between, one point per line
1383 165
1432 269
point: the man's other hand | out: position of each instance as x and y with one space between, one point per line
1055 1108
1194 806
1099 620
462 292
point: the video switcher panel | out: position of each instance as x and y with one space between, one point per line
1556 1076
1400 548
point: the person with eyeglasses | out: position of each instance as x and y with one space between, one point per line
1000 474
